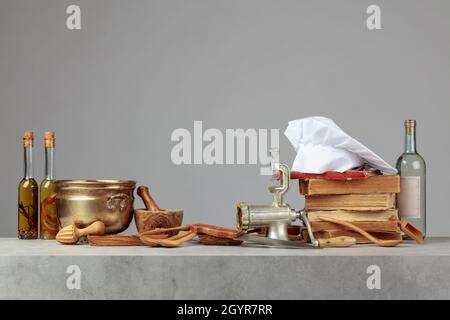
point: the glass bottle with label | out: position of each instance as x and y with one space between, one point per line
411 200
28 202
49 225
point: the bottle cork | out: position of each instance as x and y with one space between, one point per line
28 139
49 139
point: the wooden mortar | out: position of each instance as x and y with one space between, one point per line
153 217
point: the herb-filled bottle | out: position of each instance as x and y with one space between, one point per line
49 225
411 200
28 193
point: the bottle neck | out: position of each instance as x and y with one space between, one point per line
28 162
49 163
410 140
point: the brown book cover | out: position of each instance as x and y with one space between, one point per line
357 202
347 215
373 184
369 226
359 238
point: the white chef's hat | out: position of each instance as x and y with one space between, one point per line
322 146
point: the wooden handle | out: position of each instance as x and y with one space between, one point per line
150 204
337 242
382 243
171 243
165 230
97 228
114 240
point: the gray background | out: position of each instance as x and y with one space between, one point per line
115 90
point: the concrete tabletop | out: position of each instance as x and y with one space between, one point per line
16 247
38 269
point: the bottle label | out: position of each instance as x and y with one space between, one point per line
409 197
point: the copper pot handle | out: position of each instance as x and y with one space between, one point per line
111 202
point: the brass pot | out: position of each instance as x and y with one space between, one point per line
82 202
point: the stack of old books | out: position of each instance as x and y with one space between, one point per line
368 204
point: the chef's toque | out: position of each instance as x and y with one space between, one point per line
322 146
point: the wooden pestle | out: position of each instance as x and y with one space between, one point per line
150 204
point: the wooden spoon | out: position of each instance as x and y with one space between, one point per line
164 230
171 242
71 234
382 243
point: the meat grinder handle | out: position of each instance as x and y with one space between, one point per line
323 243
302 216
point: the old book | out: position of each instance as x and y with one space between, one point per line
373 184
369 226
357 202
359 238
347 215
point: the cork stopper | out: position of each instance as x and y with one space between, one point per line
49 139
28 139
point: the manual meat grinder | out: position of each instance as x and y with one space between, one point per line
277 216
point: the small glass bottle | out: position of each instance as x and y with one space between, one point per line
49 225
28 202
411 201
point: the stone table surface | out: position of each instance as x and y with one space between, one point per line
38 269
